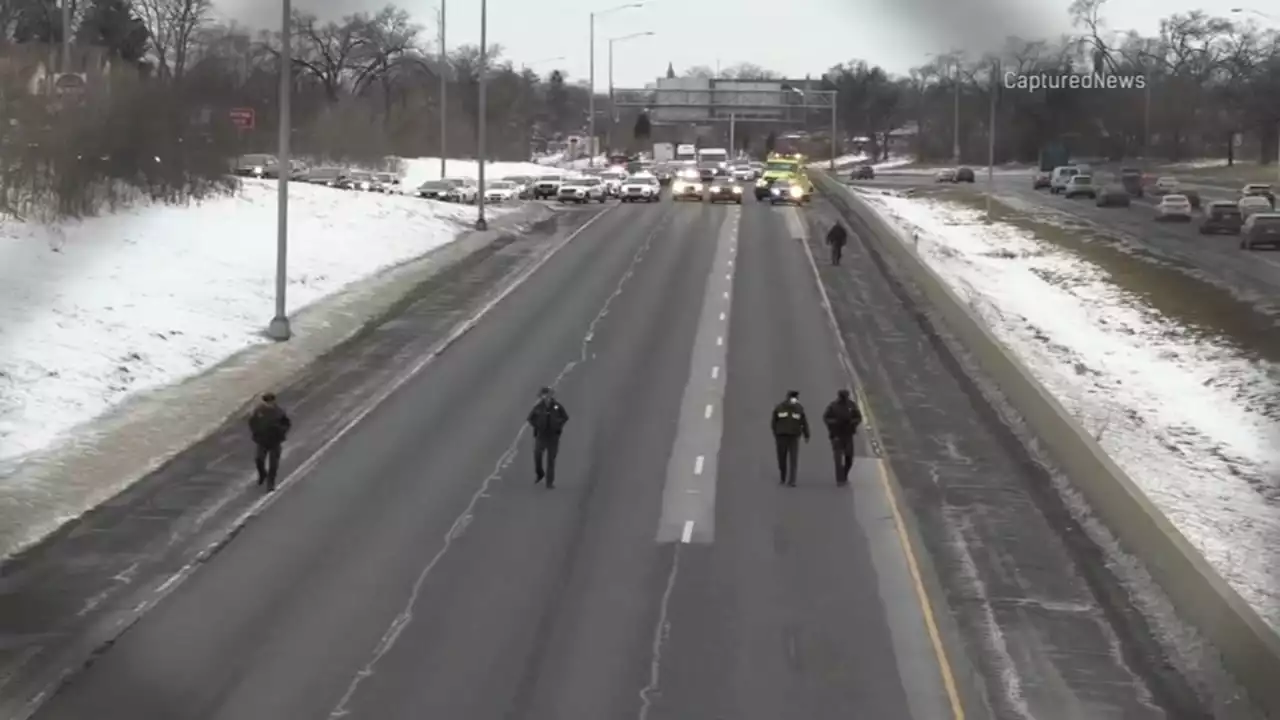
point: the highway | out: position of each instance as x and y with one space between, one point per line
416 571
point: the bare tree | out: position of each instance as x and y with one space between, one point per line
174 25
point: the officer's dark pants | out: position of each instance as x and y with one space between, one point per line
546 448
837 250
267 460
788 457
842 450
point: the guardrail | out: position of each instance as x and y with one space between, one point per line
1249 647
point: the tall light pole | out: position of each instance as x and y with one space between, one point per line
66 36
955 121
444 90
279 329
481 223
591 92
1272 18
835 97
991 136
613 108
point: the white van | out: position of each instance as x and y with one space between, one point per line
1062 176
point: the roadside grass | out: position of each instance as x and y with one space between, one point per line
1240 173
1209 311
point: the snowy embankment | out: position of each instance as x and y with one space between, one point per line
846 161
1195 422
93 312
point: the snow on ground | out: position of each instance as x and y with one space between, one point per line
980 170
95 311
415 171
1192 421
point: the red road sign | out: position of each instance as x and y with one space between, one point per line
242 118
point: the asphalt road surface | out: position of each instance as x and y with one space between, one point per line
417 572
1252 276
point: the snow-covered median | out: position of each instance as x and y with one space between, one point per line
96 311
1194 421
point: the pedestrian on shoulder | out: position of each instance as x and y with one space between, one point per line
789 423
837 238
842 418
547 419
269 426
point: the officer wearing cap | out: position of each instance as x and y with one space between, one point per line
547 419
789 423
842 418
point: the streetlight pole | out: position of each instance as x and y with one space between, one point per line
66 36
955 121
444 90
991 136
591 82
481 223
279 329
835 95
613 108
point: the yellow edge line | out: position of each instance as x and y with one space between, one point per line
926 607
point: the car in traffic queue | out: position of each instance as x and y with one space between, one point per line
1259 190
258 165
687 186
1041 180
1252 205
1113 196
709 171
1174 207
333 177
724 189
665 174
965 174
786 192
500 191
463 191
388 182
1131 179
582 190
945 175
1166 186
612 180
1222 216
742 172
547 187
434 190
1081 186
641 187
863 172
360 180
1261 230
523 183
1060 177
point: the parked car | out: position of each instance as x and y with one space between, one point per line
1222 216
1041 180
434 190
1253 204
1113 196
1174 207
1261 230
547 186
786 192
946 175
964 174
583 190
328 176
1080 186
641 188
863 172
500 191
257 166
724 190
1131 179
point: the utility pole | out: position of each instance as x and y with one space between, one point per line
955 122
991 136
733 138
66 36
444 91
835 147
279 329
591 97
481 150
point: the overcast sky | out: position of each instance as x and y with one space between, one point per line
796 37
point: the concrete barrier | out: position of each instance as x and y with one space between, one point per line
1249 647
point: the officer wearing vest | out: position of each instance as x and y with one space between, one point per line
842 418
789 423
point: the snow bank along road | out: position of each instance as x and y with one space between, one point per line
415 570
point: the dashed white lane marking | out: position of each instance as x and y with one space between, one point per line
687 536
688 499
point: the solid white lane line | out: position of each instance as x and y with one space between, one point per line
708 412
697 465
687 535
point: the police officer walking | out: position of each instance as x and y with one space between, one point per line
269 425
842 418
837 237
547 418
789 423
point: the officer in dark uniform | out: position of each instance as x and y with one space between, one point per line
842 418
547 418
837 237
269 425
789 423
